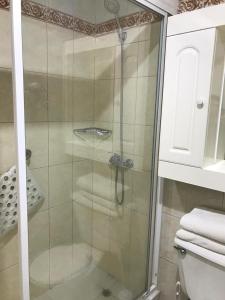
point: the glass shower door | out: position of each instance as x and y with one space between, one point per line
90 73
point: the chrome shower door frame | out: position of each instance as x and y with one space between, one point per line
18 99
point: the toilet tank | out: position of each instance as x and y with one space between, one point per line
200 278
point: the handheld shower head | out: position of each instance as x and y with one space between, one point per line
112 6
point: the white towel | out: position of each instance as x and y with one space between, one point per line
216 258
201 241
205 222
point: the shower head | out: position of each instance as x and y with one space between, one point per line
112 6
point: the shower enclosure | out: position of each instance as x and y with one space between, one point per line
87 80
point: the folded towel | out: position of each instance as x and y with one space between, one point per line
216 258
201 241
8 199
205 222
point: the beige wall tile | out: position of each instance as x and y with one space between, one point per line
84 51
119 228
128 189
143 147
83 99
104 100
101 242
107 40
146 97
102 181
104 63
6 97
8 250
132 35
82 223
168 276
10 283
83 144
60 50
60 142
130 60
138 252
82 177
35 96
37 142
174 200
34 33
141 191
38 234
5 35
7 144
128 138
170 225
145 32
61 231
83 42
129 100
60 184
84 64
60 98
42 178
104 143
148 53
101 223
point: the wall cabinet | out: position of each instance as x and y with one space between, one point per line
189 60
192 142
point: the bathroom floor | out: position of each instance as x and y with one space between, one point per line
97 285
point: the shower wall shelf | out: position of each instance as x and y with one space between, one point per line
192 142
98 132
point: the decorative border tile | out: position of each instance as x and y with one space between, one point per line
4 4
135 19
53 16
189 5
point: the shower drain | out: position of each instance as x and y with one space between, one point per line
106 293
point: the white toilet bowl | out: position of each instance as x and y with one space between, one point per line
202 272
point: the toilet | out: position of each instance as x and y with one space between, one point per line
202 272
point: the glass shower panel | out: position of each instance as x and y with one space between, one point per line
9 265
90 70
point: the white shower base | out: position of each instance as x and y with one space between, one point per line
88 287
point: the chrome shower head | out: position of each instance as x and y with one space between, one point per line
112 6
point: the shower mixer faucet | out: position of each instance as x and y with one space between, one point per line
117 161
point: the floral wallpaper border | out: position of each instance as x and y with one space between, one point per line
53 16
189 5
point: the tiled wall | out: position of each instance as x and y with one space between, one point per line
73 81
179 198
9 273
125 240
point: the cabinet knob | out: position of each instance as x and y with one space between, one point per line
200 104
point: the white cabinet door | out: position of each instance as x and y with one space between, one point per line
189 59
